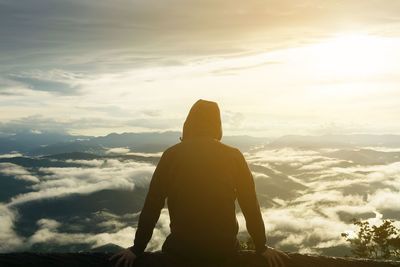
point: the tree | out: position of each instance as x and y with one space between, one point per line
376 242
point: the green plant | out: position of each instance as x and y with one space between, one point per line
248 244
376 242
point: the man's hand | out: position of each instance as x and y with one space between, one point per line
275 257
126 256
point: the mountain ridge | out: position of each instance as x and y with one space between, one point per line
150 142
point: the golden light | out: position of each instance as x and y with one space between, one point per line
350 56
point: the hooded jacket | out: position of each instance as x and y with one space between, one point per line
201 178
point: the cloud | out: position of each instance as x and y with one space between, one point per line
377 175
152 112
322 165
314 219
161 231
55 87
232 119
13 154
49 233
11 88
60 182
111 174
302 227
37 122
284 155
73 34
311 220
118 150
9 239
323 173
385 199
111 110
158 154
234 70
89 163
17 172
54 81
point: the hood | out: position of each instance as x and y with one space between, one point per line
203 120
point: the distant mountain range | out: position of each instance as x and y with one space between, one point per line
146 142
150 142
337 141
24 142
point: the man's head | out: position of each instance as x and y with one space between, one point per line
203 120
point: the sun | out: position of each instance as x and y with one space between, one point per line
352 55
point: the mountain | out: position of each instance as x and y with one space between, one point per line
35 144
26 141
146 142
365 156
337 141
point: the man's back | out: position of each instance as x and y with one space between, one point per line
201 195
201 178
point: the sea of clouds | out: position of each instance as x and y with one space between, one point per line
307 199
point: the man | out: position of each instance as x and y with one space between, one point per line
201 178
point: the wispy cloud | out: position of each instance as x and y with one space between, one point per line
233 70
118 150
10 240
55 87
11 155
17 172
60 182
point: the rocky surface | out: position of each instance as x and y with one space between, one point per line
245 258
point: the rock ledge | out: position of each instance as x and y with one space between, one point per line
245 258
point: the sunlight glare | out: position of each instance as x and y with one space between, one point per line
350 56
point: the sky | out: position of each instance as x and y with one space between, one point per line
275 67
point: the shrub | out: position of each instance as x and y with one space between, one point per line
375 242
248 244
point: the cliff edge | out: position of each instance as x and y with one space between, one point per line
246 258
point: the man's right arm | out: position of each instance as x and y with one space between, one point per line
153 204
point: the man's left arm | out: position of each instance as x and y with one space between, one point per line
247 198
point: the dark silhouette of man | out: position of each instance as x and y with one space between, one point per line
201 178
